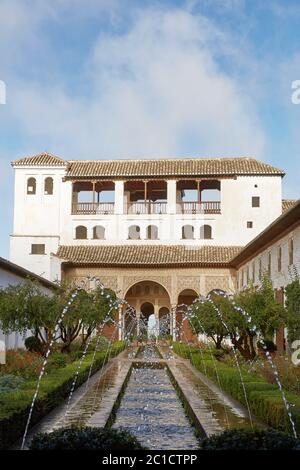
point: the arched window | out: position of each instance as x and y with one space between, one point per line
31 186
98 232
81 232
152 232
134 232
48 187
206 232
187 232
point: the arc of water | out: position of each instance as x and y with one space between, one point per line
217 310
94 353
112 306
269 358
58 323
102 368
188 313
41 374
273 366
82 359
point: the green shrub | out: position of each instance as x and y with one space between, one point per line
264 398
33 344
55 386
9 382
57 359
85 438
239 439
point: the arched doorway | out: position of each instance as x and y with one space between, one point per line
148 298
185 299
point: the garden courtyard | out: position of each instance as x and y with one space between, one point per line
77 385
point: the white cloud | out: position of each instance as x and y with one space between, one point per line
154 90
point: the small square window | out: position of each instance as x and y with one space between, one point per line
255 201
249 224
38 249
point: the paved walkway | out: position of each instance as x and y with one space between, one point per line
93 402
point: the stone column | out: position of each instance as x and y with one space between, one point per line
119 197
120 322
138 315
156 313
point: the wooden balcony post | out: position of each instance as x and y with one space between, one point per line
94 194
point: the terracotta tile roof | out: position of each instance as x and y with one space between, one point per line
148 255
42 159
287 204
170 167
153 167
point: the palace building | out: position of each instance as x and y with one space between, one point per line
158 232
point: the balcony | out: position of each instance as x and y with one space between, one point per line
147 207
93 208
205 207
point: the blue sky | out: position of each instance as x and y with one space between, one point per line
131 78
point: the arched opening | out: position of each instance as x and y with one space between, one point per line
98 232
147 320
31 186
205 232
152 232
81 232
187 232
134 232
148 298
164 322
48 186
185 299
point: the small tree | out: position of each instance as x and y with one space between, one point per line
250 312
265 312
203 319
292 292
85 315
25 307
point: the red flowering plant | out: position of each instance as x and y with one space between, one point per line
22 363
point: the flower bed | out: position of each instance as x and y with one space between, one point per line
264 399
55 386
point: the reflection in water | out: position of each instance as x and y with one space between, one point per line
223 415
152 411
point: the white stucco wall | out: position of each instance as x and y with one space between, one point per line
279 279
15 340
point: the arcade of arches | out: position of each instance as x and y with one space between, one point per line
158 296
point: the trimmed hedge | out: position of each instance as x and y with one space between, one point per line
85 438
55 387
244 439
265 400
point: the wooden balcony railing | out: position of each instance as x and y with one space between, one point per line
103 208
205 207
147 208
93 208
